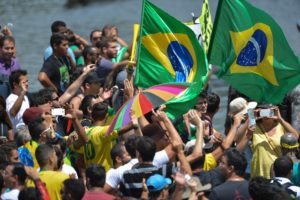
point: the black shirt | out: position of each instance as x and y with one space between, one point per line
131 184
57 71
237 190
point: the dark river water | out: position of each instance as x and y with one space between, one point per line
31 21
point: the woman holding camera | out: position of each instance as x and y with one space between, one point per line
265 137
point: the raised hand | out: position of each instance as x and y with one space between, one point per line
31 173
106 94
87 69
128 89
194 117
133 117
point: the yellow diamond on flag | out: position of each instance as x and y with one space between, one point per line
175 52
254 52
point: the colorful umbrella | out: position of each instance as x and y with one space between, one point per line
145 101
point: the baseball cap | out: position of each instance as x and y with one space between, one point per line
199 188
157 182
31 114
240 106
92 78
288 141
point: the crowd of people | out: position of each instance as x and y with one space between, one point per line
56 143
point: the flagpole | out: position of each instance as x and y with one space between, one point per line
140 34
214 28
131 62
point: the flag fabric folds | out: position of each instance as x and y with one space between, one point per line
168 52
252 52
206 24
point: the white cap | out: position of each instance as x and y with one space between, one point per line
240 106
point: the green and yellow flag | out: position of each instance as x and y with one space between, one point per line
168 52
252 52
206 25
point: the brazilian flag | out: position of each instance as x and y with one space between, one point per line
168 52
252 52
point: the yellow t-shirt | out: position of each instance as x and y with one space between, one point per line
209 162
31 146
97 149
54 182
265 154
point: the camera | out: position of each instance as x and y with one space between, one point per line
266 113
58 112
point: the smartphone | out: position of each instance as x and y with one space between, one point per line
58 112
3 138
266 113
251 117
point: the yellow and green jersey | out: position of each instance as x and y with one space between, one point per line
97 149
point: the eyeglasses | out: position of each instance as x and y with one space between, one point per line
48 131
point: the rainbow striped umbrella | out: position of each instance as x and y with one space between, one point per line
145 101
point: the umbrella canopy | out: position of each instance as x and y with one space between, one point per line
145 101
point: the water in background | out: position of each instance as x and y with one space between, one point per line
31 21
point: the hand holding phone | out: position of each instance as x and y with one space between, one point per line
58 112
251 117
266 113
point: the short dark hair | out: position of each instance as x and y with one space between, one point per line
283 166
29 193
237 160
153 131
99 111
41 97
88 50
19 171
213 103
42 154
146 148
8 147
117 150
104 43
15 77
57 39
6 37
96 175
75 187
107 28
130 145
203 95
86 103
92 32
56 24
261 188
36 128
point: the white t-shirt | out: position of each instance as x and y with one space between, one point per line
294 188
114 176
17 120
69 170
160 158
11 195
